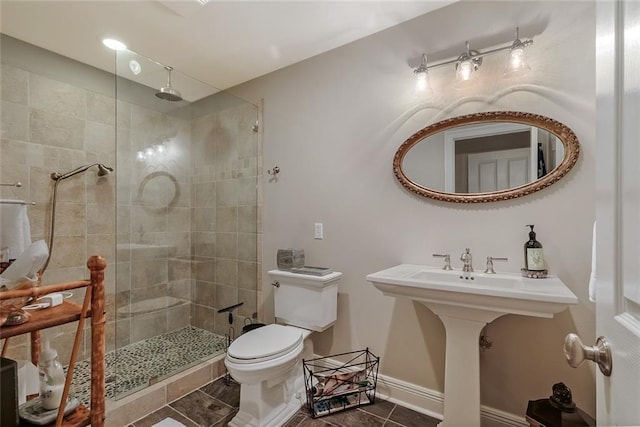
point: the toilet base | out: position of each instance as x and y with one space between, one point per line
260 409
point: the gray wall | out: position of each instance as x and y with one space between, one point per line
332 124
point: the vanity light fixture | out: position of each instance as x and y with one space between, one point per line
470 60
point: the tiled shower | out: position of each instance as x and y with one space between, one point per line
177 220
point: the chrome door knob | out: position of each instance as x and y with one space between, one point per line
575 352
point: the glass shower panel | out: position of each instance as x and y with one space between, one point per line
187 228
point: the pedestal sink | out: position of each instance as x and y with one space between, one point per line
466 302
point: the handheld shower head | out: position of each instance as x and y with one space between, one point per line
58 177
102 171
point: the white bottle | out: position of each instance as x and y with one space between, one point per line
52 378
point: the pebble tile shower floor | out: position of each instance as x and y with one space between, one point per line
215 404
130 368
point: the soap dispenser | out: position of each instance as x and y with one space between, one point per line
533 257
52 377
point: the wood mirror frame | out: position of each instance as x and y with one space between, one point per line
562 132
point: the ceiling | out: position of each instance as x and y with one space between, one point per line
221 43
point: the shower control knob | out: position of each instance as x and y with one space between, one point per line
575 352
275 283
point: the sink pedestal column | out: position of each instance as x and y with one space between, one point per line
462 362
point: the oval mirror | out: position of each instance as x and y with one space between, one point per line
486 157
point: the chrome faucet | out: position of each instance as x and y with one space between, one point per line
447 261
467 261
490 259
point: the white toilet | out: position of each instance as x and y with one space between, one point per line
267 362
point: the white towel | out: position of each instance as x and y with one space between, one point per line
27 264
15 232
168 422
592 278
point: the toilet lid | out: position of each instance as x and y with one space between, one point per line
266 342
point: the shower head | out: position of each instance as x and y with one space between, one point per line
102 171
168 93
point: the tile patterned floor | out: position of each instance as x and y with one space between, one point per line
215 404
133 367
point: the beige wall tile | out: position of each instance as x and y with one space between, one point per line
247 191
54 129
145 273
71 219
205 244
103 245
205 269
178 317
227 193
100 139
57 97
206 294
14 168
204 194
204 219
181 289
179 269
149 293
145 220
102 109
14 121
226 245
247 246
179 219
226 272
227 219
247 216
226 296
203 317
14 85
68 251
249 308
247 275
147 326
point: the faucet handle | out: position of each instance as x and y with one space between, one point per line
447 260
490 259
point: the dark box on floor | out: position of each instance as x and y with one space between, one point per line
9 390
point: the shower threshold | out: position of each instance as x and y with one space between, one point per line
136 366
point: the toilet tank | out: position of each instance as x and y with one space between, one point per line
304 300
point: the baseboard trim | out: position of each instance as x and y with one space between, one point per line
431 402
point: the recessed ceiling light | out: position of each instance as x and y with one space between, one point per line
114 44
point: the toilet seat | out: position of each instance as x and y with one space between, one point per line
264 344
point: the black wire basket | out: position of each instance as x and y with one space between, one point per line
332 385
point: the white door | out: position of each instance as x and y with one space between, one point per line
618 208
497 170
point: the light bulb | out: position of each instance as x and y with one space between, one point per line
517 61
421 80
159 148
140 155
517 58
465 69
149 152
